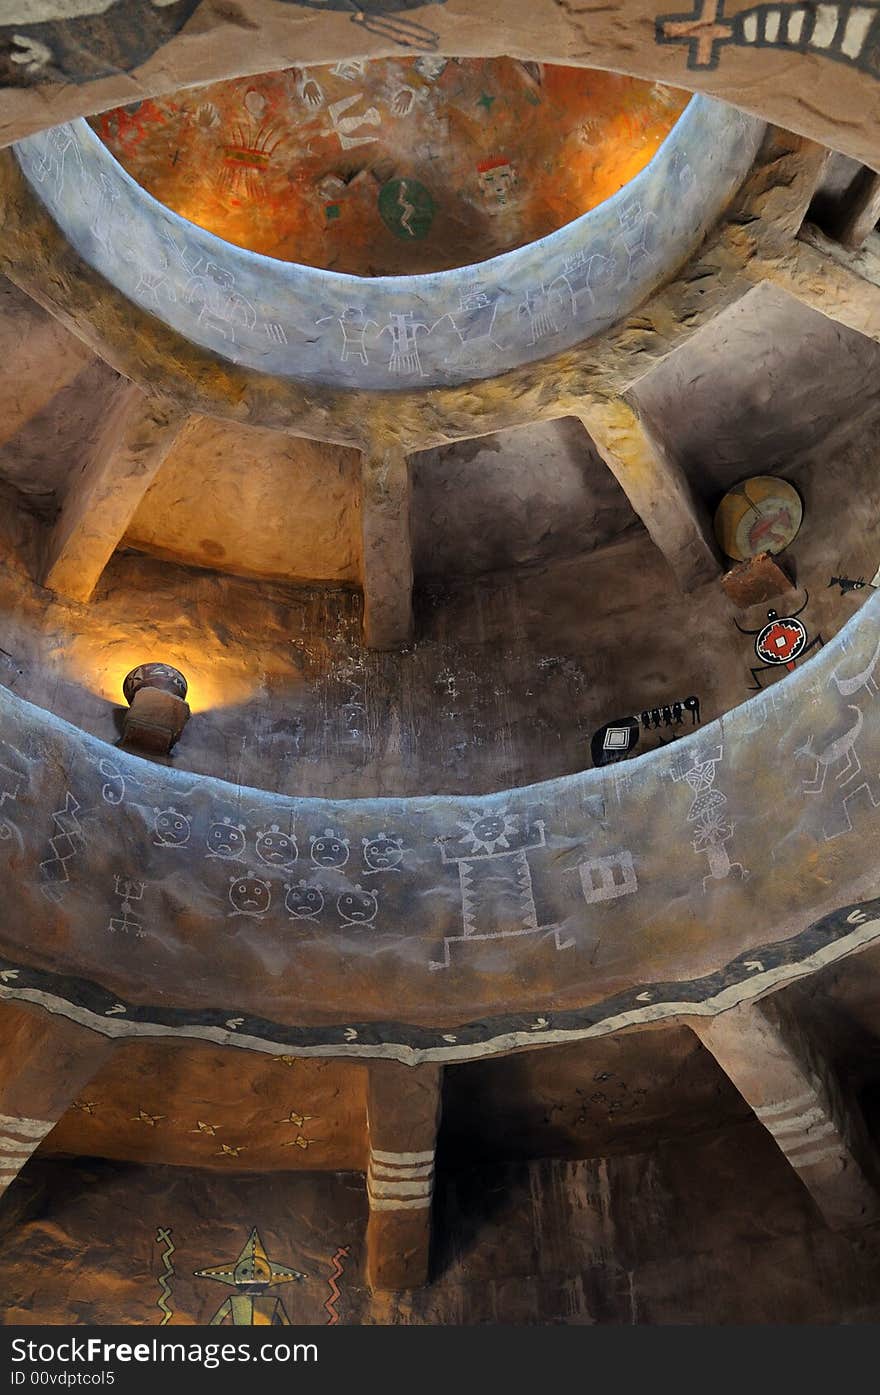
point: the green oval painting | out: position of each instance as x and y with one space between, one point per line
406 207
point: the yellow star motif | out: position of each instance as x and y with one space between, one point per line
286 1060
202 1127
294 1118
142 1117
226 1151
84 1106
299 1142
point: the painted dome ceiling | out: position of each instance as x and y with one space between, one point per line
410 165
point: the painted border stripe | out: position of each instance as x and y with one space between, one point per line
400 1174
798 1123
856 31
813 1137
376 1188
772 1111
825 26
16 1145
381 1204
496 1035
821 1155
37 1127
402 1159
17 1163
795 26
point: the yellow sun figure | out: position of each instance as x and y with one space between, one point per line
294 1118
488 833
251 1275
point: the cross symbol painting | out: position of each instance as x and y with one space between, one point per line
704 32
847 32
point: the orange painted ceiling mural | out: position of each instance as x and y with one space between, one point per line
395 166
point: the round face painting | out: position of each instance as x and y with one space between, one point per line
275 848
171 828
250 895
330 850
383 853
225 840
357 907
304 902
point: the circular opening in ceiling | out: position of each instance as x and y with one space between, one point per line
395 166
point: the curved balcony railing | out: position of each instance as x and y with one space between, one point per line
143 900
402 332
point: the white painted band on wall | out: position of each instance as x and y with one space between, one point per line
396 1204
825 26
402 1159
772 1111
798 1123
835 1149
385 1169
378 1188
810 1138
856 31
36 1128
17 1145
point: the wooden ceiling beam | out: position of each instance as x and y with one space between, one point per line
136 435
859 210
656 486
794 1094
39 357
387 548
403 1114
843 285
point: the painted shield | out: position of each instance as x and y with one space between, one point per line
781 641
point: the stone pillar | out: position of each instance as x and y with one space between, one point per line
781 1075
44 1063
387 548
403 1113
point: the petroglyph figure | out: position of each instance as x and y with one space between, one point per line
221 307
712 829
608 878
226 839
59 150
636 233
353 324
127 923
357 908
384 853
304 900
495 881
250 895
329 849
275 848
67 840
171 829
404 328
344 126
840 752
